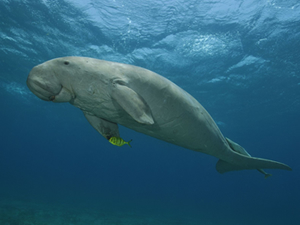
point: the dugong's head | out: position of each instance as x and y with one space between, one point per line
46 81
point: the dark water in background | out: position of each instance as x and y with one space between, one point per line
239 59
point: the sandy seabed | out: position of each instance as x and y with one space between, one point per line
28 213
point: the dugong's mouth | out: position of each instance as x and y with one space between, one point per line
43 91
47 92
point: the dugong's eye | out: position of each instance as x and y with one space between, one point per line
66 63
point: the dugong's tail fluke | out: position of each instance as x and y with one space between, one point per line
240 159
249 163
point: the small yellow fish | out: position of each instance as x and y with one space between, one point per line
119 141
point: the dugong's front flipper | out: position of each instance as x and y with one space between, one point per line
105 128
131 102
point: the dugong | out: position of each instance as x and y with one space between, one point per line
111 93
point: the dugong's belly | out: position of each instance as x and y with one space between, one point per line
195 132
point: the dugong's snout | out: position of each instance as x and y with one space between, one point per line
43 83
40 90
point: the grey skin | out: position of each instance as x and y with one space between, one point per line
112 93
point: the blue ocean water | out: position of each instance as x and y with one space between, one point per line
239 59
